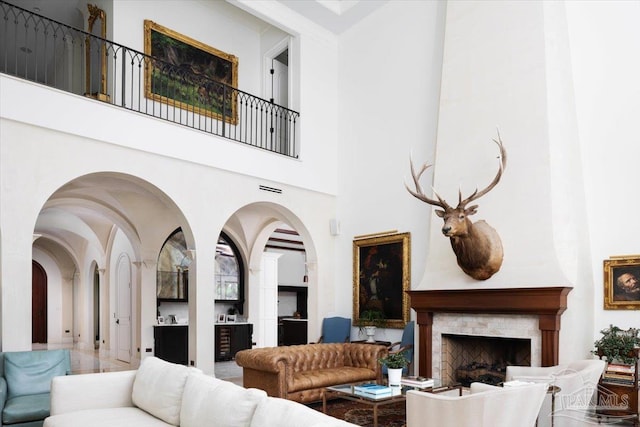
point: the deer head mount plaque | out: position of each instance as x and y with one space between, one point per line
477 245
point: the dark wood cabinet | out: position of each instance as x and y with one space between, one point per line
294 331
231 338
172 343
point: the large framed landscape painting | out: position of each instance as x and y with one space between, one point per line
622 283
381 277
187 74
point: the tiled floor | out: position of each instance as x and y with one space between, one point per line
229 371
87 361
90 361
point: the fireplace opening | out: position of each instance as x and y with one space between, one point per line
468 358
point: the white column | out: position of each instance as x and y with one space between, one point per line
266 321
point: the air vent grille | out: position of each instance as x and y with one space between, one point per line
271 189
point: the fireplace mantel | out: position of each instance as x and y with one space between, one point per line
548 303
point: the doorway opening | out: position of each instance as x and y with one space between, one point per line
96 308
38 304
278 94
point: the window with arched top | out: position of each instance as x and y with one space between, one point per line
229 276
172 281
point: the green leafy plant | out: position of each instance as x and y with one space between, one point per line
394 360
371 318
618 345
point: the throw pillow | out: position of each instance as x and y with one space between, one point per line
210 402
158 388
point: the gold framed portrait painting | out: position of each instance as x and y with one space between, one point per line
381 277
622 283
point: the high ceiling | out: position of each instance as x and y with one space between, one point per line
334 15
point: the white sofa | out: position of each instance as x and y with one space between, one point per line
164 394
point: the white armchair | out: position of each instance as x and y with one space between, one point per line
578 382
485 406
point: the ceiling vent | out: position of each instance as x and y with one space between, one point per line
271 189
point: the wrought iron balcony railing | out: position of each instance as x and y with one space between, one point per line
48 52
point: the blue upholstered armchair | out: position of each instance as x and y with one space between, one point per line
405 346
25 385
335 330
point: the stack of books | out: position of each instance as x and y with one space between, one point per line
372 391
617 373
418 382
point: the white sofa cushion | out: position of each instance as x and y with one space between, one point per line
158 388
120 417
92 391
276 412
210 402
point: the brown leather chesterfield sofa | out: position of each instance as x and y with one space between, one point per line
301 372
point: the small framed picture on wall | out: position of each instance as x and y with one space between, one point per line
231 318
221 318
622 283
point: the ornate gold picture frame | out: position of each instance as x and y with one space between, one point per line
622 283
186 75
381 277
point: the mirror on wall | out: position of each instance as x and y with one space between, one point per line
96 55
172 282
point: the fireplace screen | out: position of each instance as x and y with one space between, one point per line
467 359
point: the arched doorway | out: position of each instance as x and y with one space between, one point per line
282 238
92 235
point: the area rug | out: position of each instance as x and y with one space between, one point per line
392 415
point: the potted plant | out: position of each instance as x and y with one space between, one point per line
618 345
369 320
395 363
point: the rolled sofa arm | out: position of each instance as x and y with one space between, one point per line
91 391
269 359
266 369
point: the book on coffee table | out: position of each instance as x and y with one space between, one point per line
372 390
418 382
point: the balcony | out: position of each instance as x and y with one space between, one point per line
47 52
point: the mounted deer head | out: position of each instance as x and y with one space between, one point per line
477 245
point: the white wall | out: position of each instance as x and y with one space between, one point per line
291 267
598 123
389 88
603 36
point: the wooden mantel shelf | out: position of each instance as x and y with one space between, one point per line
548 303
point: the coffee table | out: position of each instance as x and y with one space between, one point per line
346 391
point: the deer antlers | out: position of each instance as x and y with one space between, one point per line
419 192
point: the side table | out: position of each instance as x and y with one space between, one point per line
384 343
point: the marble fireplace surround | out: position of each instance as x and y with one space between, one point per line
547 303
